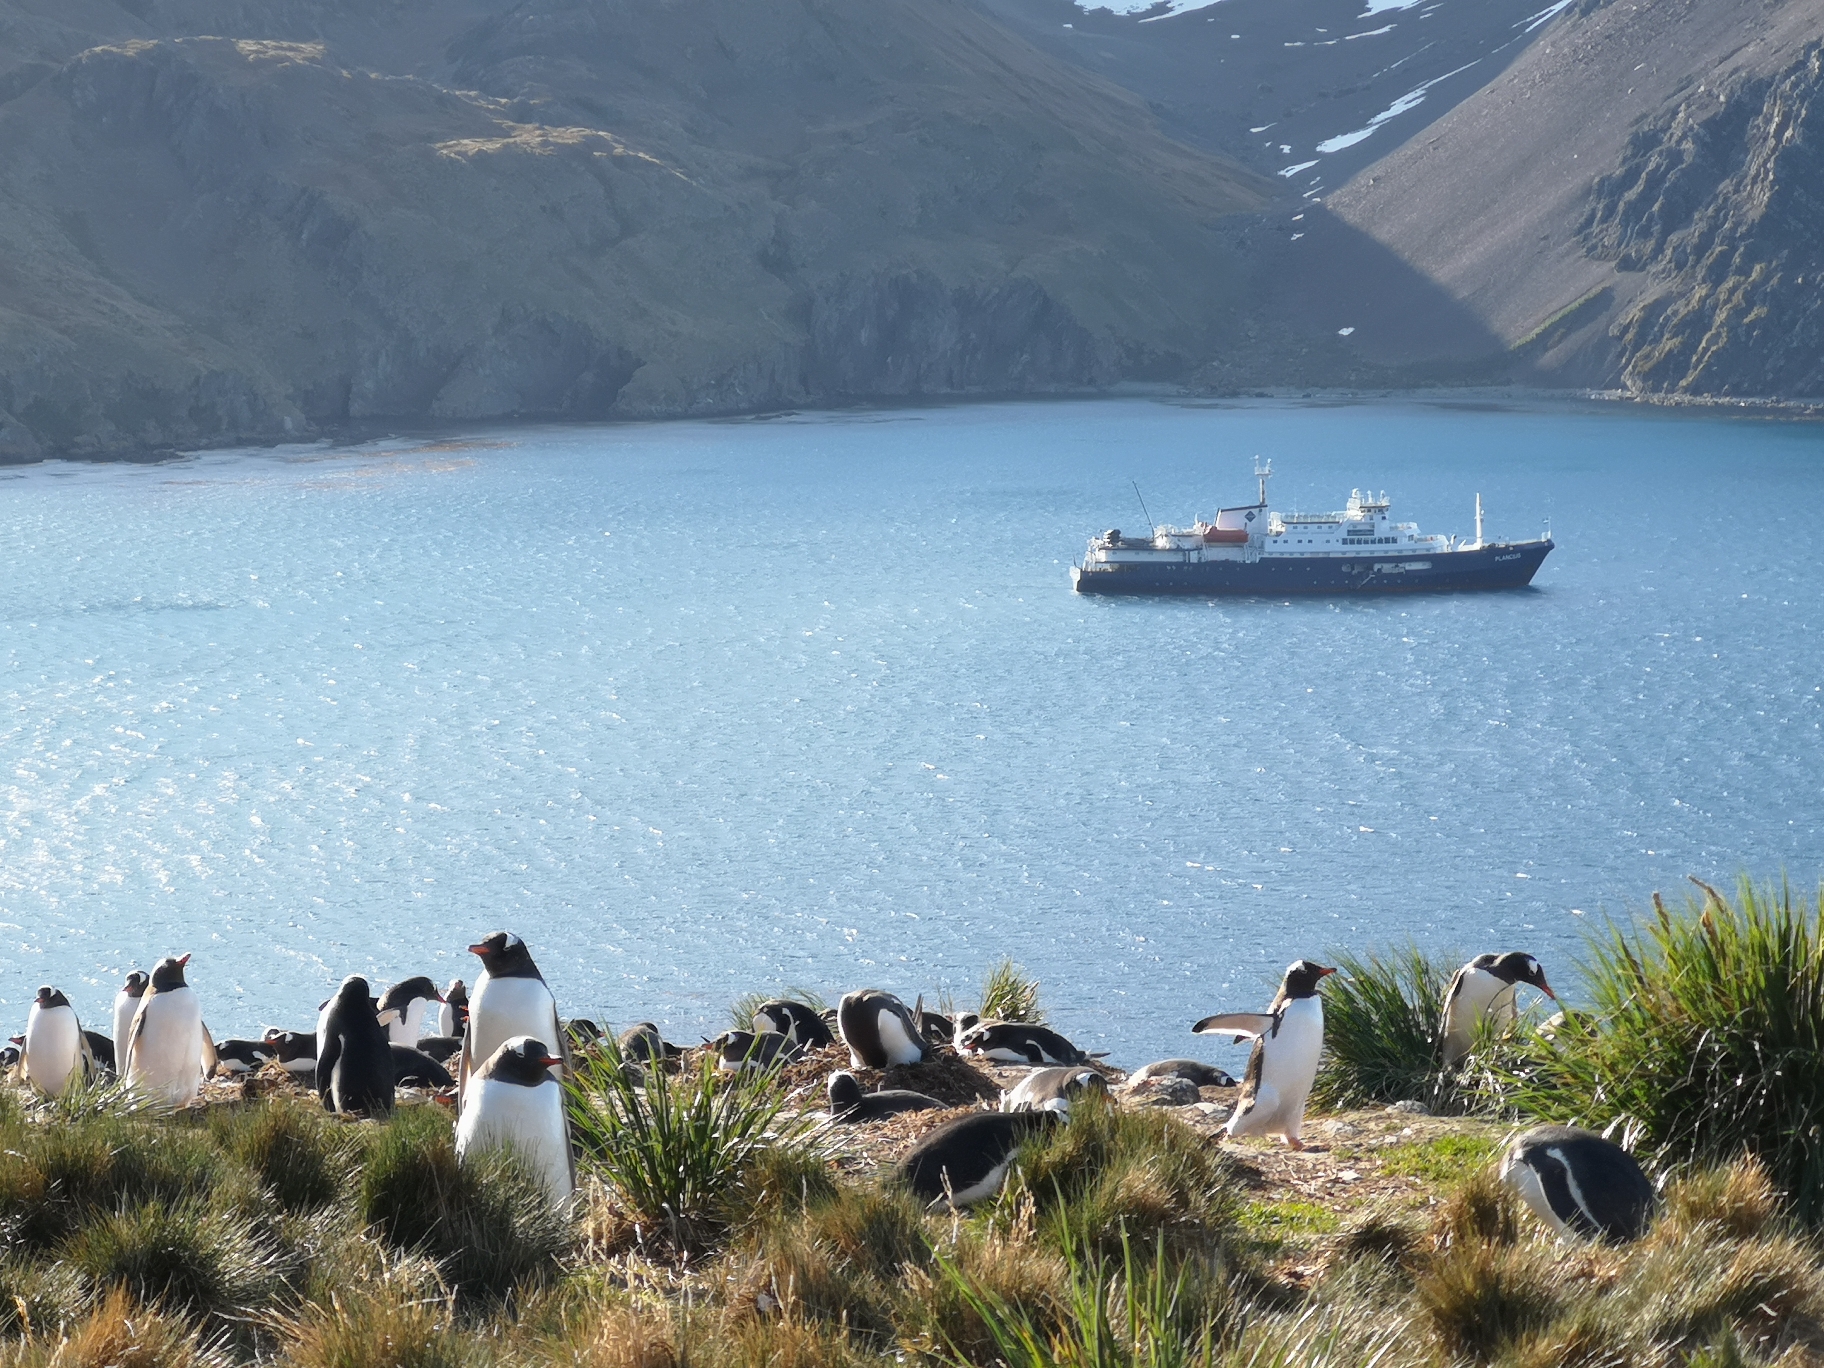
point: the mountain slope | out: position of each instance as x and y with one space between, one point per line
232 221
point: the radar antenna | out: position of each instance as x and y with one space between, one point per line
1262 469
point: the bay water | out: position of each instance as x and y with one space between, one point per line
704 708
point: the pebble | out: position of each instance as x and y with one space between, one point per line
1410 1108
1215 1110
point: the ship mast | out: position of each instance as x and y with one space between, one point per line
1478 522
1261 471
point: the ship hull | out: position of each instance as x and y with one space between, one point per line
1508 565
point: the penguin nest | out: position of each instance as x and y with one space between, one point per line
950 1079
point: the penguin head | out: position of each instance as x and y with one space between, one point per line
168 973
771 1019
1518 967
1302 978
845 1091
504 955
49 997
457 994
524 1060
135 986
290 1045
582 1032
407 991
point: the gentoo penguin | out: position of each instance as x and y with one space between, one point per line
1053 1089
848 1103
643 1043
879 1030
453 1011
440 1048
510 1000
9 1056
1288 1038
1485 990
582 1033
416 1069
243 1056
966 1160
1191 1070
166 1043
354 1057
965 1022
101 1050
515 1100
1584 1187
795 1019
402 1008
939 1029
55 1054
126 1005
296 1051
745 1050
1019 1042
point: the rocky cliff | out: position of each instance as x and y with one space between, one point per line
224 222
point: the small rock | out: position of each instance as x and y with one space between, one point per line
1214 1110
1410 1108
1350 1176
1341 1129
1169 1092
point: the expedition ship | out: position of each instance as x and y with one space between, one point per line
1252 550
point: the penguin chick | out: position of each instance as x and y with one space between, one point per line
1486 989
1288 1038
164 1063
879 1030
453 1011
55 1053
1584 1187
795 1019
354 1057
966 1160
849 1104
514 1101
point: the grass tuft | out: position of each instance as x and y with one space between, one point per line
1736 1200
1708 1037
120 1333
1478 1297
487 1225
1008 995
1382 1017
676 1150
385 1325
301 1156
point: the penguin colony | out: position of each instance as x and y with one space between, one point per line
504 1049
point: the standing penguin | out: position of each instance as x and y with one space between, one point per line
126 1007
165 1045
1288 1037
879 1030
1485 990
514 1100
354 1057
453 1011
402 1008
510 1000
55 1053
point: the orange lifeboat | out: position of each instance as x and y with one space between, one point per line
1226 536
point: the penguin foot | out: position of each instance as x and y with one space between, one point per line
1293 1142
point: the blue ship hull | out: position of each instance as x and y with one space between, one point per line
1503 565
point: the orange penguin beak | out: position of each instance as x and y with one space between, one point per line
477 950
551 1063
183 959
1321 971
1546 988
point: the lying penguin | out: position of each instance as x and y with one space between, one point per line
1486 989
850 1105
237 1056
642 1043
1584 1187
744 1050
1019 1042
1190 1070
1288 1038
879 1030
966 1160
801 1022
514 1101
1053 1089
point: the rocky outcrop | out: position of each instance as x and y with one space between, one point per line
1721 202
223 222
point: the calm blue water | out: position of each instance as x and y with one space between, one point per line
699 708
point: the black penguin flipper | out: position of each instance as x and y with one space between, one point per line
329 1052
1238 1024
1250 1082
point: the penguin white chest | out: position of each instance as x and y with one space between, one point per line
528 1121
502 1008
896 1041
1288 1066
165 1061
1480 996
406 1030
126 1007
446 1019
53 1044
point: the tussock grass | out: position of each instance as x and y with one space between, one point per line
1382 1018
119 1333
1478 1297
301 1156
1115 1174
384 1325
486 1225
741 1011
36 1298
1009 995
1707 1035
676 1149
